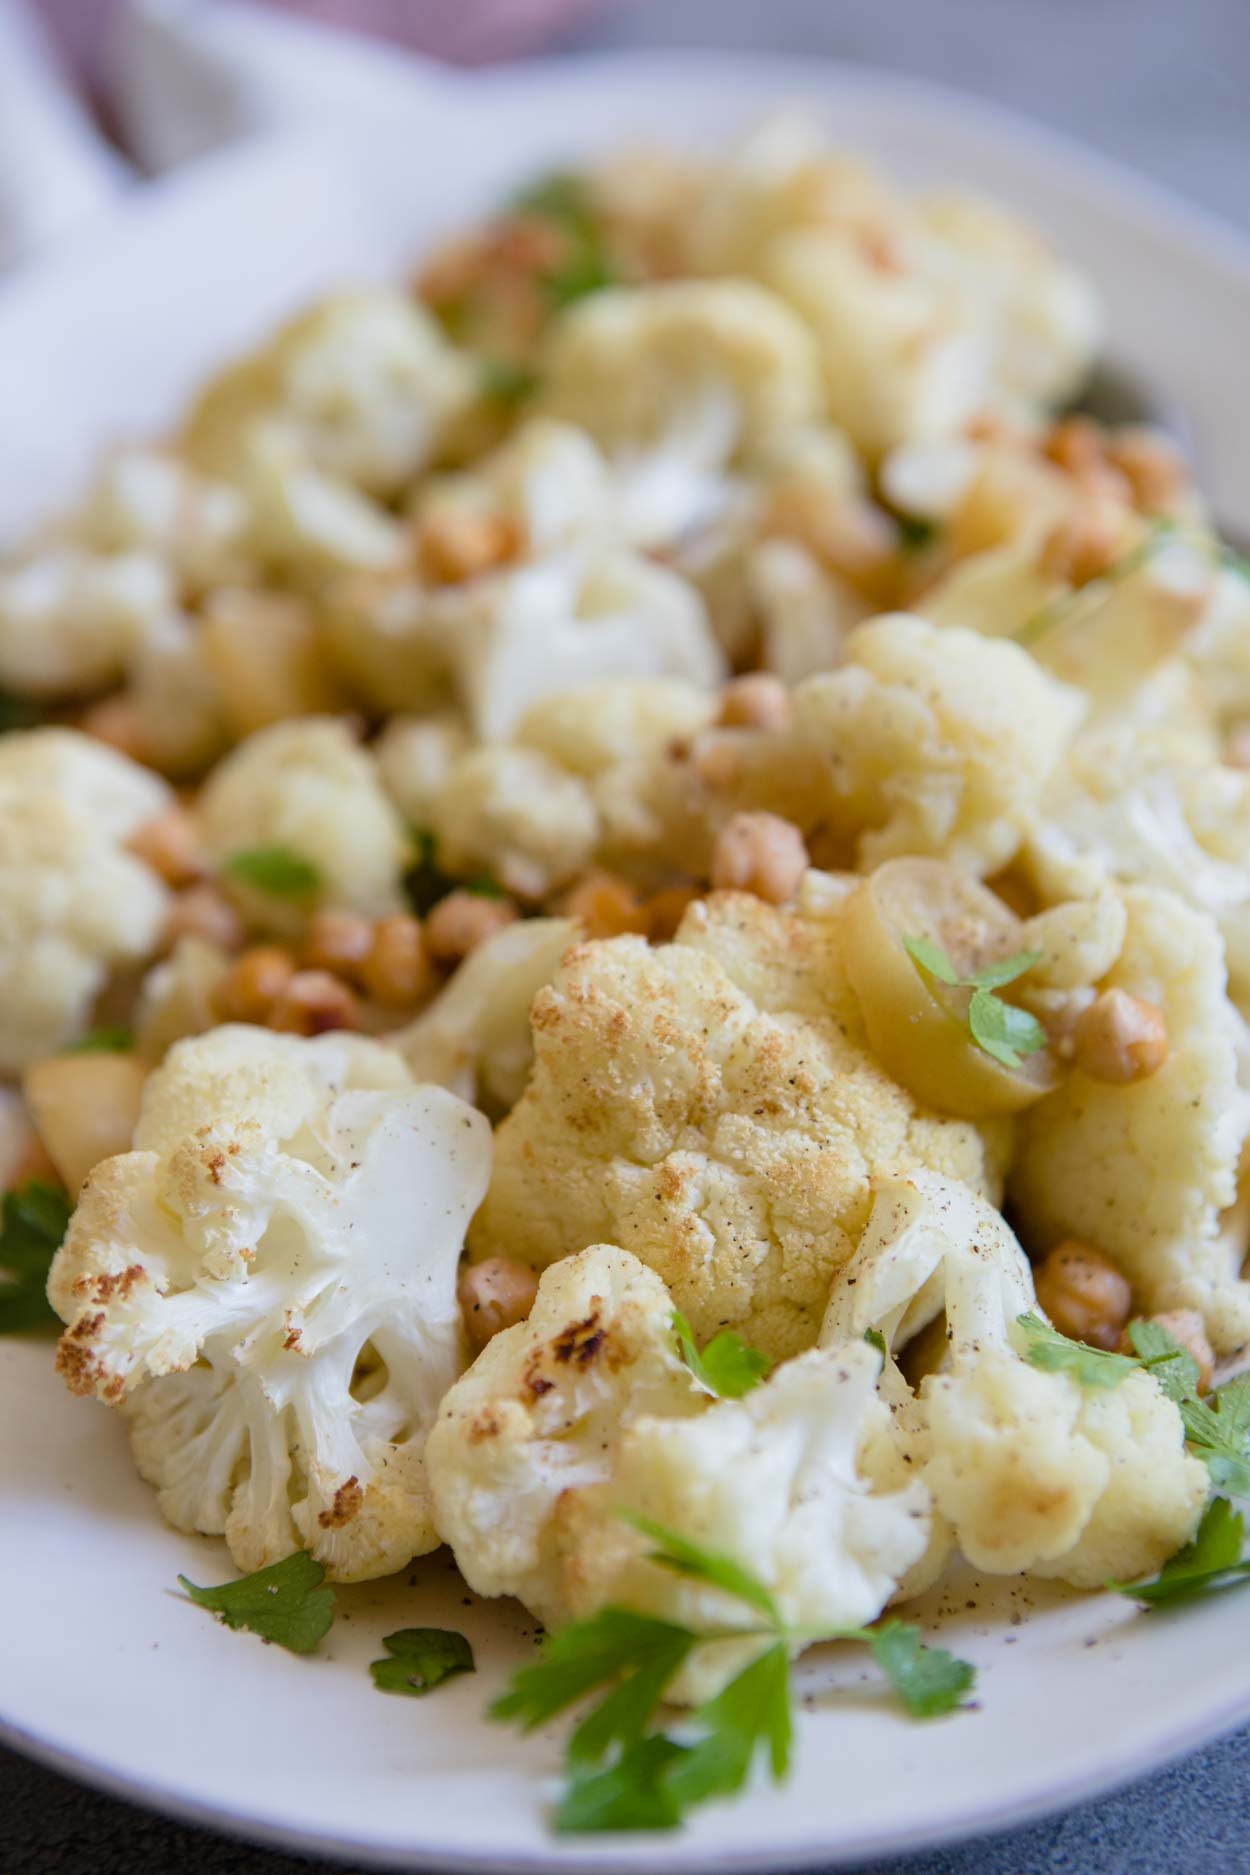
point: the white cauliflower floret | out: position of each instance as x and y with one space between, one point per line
924 742
73 903
589 776
548 482
267 1282
1032 1470
474 1037
176 997
679 384
309 788
712 1105
416 756
1144 1171
772 1480
540 1415
306 522
71 621
515 636
147 500
364 383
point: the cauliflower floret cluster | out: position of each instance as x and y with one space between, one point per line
712 1106
1145 1171
307 787
74 904
1031 1470
924 742
587 1408
267 1284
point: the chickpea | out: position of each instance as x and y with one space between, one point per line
759 853
338 941
253 985
1187 1327
119 721
664 911
1120 1038
757 701
495 1294
1237 749
454 544
1077 444
1084 544
170 845
718 760
397 971
1153 467
1084 1294
607 906
462 921
202 912
313 1002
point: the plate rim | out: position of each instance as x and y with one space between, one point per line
1132 196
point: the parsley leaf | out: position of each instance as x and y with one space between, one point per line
18 713
1001 1030
578 1658
727 1367
33 1220
631 1794
562 195
917 531
277 870
104 1041
875 1339
998 1028
674 1552
928 1680
421 1659
1046 1348
426 884
1217 1429
586 271
506 381
284 1603
752 1713
1173 1366
1210 1563
1055 611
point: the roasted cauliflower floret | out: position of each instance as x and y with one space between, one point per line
307 787
75 903
267 1284
72 621
680 384
540 1415
712 1105
1033 1471
1145 1170
364 383
773 1480
474 1037
925 742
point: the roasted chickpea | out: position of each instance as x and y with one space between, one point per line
495 1294
1153 466
607 906
253 984
313 1002
202 912
756 701
170 845
1120 1038
462 921
454 544
1084 544
1084 1294
397 970
338 941
759 853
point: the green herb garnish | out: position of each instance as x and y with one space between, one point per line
916 531
18 713
727 1366
1055 611
624 1775
506 381
33 1221
1210 1563
278 871
285 1603
425 882
998 1028
104 1041
1046 1348
587 270
875 1339
421 1659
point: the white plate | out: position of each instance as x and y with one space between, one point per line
104 1671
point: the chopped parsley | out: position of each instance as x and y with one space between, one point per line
103 1041
998 1028
419 1659
285 1603
278 871
1210 1563
1046 1348
33 1221
425 882
506 381
622 1773
727 1366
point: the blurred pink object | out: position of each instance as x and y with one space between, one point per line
467 31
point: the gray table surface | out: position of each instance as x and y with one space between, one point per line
1161 84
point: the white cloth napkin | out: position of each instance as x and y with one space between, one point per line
185 77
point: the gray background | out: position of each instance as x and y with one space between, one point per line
1162 84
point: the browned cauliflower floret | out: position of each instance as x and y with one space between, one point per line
712 1106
